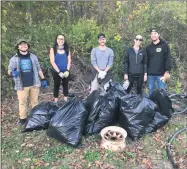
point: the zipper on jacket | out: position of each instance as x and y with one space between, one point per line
137 54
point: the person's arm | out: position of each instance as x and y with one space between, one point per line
69 61
145 62
39 69
126 65
94 60
52 60
11 66
167 56
111 61
41 74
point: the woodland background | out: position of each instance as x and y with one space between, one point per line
40 22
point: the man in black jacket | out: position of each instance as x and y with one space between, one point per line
159 61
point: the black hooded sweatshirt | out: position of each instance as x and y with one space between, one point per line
158 58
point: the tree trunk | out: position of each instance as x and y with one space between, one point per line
29 14
100 12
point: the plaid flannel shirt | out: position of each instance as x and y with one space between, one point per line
14 62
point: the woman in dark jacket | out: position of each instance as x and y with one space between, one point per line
135 65
60 59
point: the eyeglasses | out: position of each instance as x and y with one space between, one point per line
139 39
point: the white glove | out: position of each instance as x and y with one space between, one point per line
162 79
126 84
165 77
61 75
102 74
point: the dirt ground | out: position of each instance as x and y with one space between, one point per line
35 150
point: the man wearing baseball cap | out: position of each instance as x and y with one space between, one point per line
102 59
159 61
25 69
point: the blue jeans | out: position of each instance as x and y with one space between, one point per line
151 83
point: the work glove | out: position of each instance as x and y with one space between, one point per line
61 74
15 73
44 83
165 77
66 74
102 74
145 77
126 84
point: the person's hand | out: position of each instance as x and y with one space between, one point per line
99 75
15 73
61 74
126 84
162 79
66 74
102 74
145 77
165 77
125 76
44 83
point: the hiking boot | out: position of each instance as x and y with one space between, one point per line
22 122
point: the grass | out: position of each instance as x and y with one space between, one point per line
35 150
91 156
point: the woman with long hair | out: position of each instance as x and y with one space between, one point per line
60 60
135 65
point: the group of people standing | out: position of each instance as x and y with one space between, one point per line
25 69
152 63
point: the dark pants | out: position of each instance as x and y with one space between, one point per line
139 81
57 81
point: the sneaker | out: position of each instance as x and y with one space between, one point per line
22 122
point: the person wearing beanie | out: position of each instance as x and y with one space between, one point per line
102 58
159 61
25 69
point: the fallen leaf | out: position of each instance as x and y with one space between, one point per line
147 163
26 159
55 167
19 161
22 145
140 148
156 139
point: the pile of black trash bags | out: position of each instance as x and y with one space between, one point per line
69 121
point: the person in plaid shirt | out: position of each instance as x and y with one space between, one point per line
25 70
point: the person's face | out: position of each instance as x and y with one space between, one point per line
60 40
138 41
102 41
23 47
154 36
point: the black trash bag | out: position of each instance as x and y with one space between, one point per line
40 116
117 90
164 109
91 99
102 110
68 123
136 112
163 101
158 121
